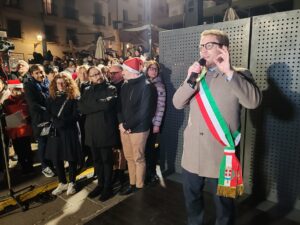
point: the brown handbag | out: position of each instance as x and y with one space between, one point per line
119 159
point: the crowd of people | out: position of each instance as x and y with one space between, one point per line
82 112
74 111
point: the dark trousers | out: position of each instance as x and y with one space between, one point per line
103 163
85 149
42 143
151 156
193 193
22 147
61 173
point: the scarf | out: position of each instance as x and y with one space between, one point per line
41 87
230 182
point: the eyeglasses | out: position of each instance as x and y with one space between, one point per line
209 45
97 74
153 69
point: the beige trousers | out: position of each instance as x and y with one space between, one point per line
134 151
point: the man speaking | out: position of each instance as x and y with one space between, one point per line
215 92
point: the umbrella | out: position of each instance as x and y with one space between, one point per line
99 53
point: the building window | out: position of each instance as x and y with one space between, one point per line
50 33
99 19
13 3
125 15
98 8
69 10
71 35
49 7
70 13
14 28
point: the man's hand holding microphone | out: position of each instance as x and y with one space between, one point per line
196 72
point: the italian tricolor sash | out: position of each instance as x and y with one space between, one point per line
230 183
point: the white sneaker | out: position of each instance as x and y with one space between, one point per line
71 189
48 172
60 189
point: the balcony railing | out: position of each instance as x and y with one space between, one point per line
70 13
99 19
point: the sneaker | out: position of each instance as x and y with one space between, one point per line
60 189
71 189
48 172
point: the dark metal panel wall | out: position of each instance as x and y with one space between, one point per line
272 141
178 50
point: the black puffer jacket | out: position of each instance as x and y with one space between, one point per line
98 104
138 104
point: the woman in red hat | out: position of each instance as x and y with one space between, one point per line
19 131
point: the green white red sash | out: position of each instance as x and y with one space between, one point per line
230 183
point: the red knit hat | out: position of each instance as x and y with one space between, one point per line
132 65
14 84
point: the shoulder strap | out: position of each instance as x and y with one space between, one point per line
62 107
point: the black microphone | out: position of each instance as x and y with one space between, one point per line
194 75
202 62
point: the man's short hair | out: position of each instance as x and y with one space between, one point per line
221 36
35 67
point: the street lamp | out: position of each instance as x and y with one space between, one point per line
40 40
39 37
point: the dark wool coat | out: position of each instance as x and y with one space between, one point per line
66 145
98 103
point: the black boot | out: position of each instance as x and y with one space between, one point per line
130 189
106 194
97 191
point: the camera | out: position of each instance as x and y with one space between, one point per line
6 46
